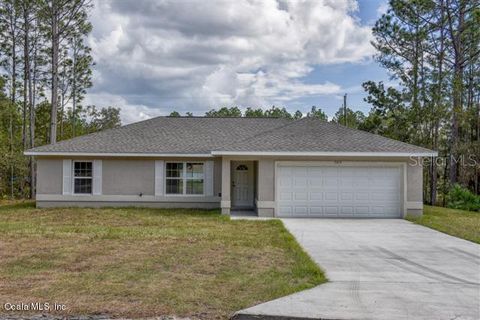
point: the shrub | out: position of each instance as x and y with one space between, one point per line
462 198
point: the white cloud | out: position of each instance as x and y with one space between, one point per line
155 56
382 8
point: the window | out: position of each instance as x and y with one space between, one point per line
82 177
184 178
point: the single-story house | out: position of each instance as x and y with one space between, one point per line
272 166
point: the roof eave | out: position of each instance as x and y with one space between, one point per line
326 154
235 153
113 154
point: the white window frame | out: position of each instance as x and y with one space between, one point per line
184 178
73 178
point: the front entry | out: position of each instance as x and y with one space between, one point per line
242 184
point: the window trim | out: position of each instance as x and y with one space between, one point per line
73 178
184 178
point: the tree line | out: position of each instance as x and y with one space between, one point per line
46 68
432 48
346 116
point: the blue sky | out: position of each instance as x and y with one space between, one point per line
349 76
154 57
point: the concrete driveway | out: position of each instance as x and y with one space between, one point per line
381 269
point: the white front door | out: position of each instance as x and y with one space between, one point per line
242 184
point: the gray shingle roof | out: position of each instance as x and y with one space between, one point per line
201 135
182 135
315 135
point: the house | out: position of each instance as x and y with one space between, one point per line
276 167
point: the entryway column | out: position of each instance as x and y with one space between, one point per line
225 203
266 188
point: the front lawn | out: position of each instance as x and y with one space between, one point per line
458 223
147 262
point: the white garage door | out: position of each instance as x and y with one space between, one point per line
339 191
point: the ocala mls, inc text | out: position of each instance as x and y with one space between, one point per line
34 306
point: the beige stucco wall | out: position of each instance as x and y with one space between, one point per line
266 180
217 176
49 176
414 181
123 179
128 177
136 203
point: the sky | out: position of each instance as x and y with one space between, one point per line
155 56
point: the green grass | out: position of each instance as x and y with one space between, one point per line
458 223
133 262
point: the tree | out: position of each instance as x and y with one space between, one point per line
103 119
432 49
37 36
28 8
353 118
298 115
254 113
224 112
9 56
82 62
62 19
174 114
317 113
463 19
277 112
389 115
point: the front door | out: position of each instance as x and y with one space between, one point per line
242 184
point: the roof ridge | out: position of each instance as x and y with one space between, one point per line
220 117
264 132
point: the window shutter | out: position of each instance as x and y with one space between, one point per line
208 181
67 177
159 177
97 177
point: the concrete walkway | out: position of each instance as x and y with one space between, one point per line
381 269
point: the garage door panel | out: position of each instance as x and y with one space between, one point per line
331 210
329 196
285 210
329 171
316 195
285 196
315 182
301 210
330 181
300 171
346 210
300 182
359 210
347 196
285 182
301 195
316 210
362 196
339 191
